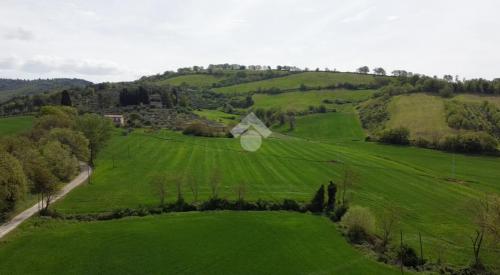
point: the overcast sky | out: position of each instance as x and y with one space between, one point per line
121 40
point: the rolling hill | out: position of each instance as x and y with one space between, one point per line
16 87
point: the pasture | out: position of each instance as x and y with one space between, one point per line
15 125
312 79
293 167
186 243
300 101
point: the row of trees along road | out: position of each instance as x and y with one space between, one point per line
39 161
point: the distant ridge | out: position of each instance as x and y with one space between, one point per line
19 87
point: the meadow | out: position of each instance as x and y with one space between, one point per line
294 81
15 125
197 80
300 101
218 116
424 115
186 243
289 166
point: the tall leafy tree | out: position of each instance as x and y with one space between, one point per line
318 202
12 183
332 193
97 130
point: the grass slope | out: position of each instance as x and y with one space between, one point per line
424 115
291 167
218 116
186 243
196 80
478 99
15 125
300 101
294 81
326 127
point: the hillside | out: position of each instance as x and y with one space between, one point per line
310 79
17 87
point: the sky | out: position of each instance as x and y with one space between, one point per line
122 40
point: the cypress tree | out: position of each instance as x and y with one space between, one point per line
318 202
332 192
65 98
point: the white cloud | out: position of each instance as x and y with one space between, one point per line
100 40
19 34
392 18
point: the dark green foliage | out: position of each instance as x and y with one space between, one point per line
469 143
10 88
399 136
202 129
374 113
408 255
357 234
332 193
318 202
470 116
338 213
290 205
65 98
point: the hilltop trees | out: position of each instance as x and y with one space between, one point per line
379 71
363 70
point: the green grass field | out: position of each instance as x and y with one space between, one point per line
330 127
15 125
300 101
218 116
294 81
424 115
186 243
197 80
293 167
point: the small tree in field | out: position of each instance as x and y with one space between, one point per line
363 70
215 182
486 219
349 179
159 185
389 219
241 191
193 186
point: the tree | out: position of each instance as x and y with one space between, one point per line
360 223
291 121
12 183
318 202
363 70
240 190
97 130
379 71
389 219
193 185
59 160
215 181
332 193
76 141
65 98
349 179
159 185
486 219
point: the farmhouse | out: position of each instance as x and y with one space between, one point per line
118 120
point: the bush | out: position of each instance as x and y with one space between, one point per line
201 129
360 223
290 205
399 135
339 212
409 256
469 143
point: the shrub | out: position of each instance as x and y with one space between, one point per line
360 223
290 205
469 143
201 129
399 135
408 255
339 212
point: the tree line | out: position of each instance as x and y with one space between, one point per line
41 160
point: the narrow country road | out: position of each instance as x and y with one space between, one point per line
21 217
